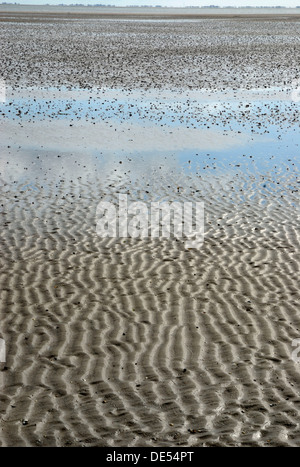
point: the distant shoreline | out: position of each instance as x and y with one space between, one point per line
144 7
15 12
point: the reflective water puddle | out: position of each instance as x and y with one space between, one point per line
121 135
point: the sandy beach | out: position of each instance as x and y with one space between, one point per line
142 341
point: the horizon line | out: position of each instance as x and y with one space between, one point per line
110 5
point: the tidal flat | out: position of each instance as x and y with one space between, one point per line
123 341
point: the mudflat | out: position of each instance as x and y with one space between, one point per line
146 341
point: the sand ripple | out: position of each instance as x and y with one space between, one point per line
136 342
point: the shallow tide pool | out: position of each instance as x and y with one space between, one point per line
117 135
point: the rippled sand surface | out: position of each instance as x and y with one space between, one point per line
143 341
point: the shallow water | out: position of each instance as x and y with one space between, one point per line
264 135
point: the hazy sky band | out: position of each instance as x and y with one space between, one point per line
169 3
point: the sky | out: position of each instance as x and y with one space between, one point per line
176 3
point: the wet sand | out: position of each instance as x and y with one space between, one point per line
142 341
24 16
211 54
